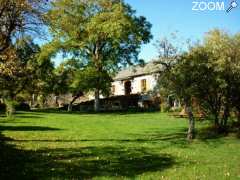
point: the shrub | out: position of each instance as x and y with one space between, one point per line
176 109
165 107
23 107
2 107
10 108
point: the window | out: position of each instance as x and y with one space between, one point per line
143 85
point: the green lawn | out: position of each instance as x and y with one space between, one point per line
112 146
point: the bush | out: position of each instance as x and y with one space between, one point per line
165 107
176 109
23 107
2 107
17 106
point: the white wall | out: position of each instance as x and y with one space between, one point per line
119 88
136 85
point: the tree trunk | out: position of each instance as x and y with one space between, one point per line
226 115
73 100
97 100
33 101
238 117
10 108
216 121
191 127
57 101
70 107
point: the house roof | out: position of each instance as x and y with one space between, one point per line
139 70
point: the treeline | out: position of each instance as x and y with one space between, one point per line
98 37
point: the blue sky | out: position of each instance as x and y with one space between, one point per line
167 16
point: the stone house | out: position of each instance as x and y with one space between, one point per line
140 79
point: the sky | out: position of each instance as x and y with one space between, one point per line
167 16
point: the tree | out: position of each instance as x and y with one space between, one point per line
226 65
105 34
41 79
177 77
65 75
168 52
85 81
17 17
20 70
209 73
207 87
235 88
15 69
182 79
74 77
168 56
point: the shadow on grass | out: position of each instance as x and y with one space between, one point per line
11 121
57 111
79 163
209 133
27 128
29 117
94 140
176 138
21 115
167 140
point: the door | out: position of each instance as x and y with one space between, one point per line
128 87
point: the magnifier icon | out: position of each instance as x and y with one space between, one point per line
233 5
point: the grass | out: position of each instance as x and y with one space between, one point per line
112 146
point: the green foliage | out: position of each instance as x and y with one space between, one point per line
87 79
216 62
209 74
103 34
16 70
39 72
165 107
64 76
23 74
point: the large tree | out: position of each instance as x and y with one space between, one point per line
209 74
64 77
179 81
226 65
18 17
21 71
105 34
16 68
176 77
